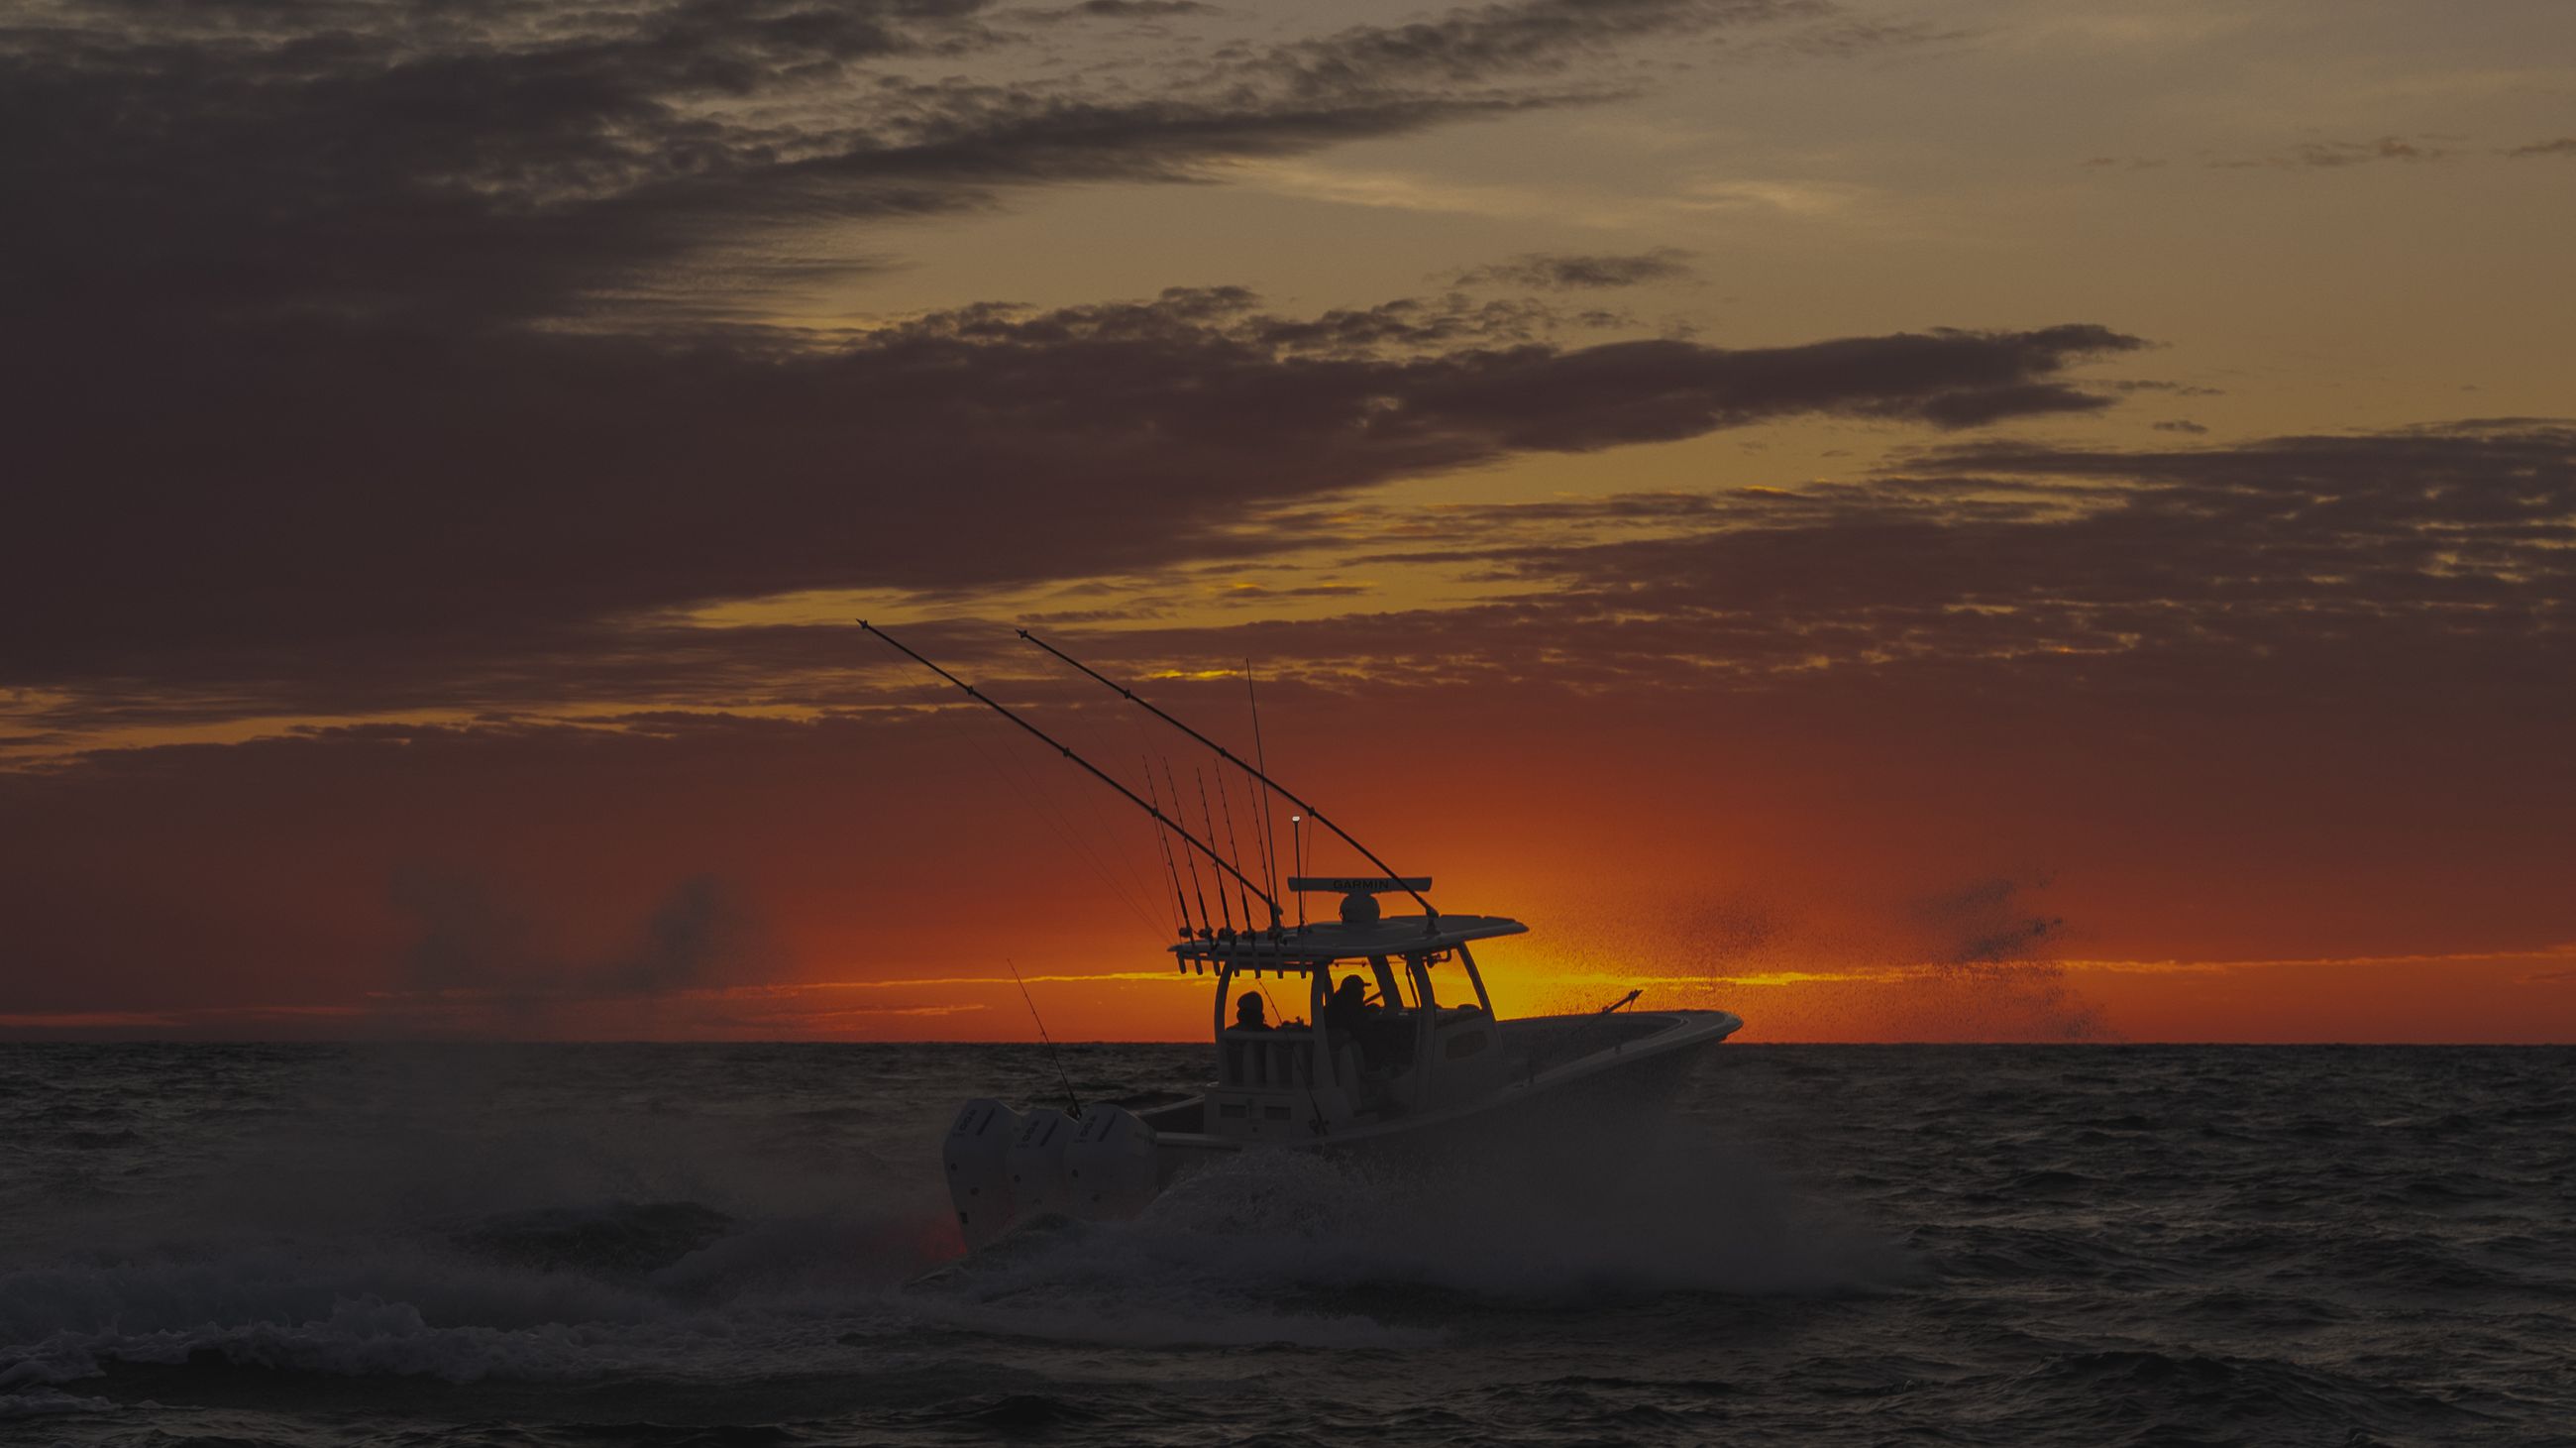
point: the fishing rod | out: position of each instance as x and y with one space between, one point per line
1431 913
1169 867
1071 1100
1261 801
1225 797
1209 824
1207 920
1095 770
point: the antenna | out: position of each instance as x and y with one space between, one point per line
1297 843
1431 913
1053 1054
1095 771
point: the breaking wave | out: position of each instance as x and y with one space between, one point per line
2137 1246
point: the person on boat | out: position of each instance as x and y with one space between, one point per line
1247 1012
1348 1011
1385 1041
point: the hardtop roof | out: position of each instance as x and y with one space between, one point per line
1325 942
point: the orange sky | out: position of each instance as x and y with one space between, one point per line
2054 524
878 878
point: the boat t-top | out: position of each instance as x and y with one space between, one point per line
1367 1031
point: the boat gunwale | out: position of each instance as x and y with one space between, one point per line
1688 1027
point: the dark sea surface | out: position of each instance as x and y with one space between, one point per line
722 1245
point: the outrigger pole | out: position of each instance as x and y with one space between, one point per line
1133 798
1431 915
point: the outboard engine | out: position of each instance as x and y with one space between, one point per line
1036 1162
1110 1167
979 1183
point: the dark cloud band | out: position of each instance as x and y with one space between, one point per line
330 487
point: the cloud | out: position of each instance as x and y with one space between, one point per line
651 161
380 356
2383 573
1983 924
2392 570
362 338
340 508
2337 155
1568 271
363 163
474 942
1475 43
2330 155
2178 389
1972 960
1127 10
1998 964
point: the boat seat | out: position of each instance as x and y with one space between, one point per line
1269 1058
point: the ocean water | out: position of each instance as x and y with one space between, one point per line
749 1245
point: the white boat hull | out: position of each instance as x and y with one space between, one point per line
1570 1066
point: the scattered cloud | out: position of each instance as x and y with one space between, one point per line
433 385
1786 197
474 940
1835 35
1986 937
1533 36
2333 154
2328 567
313 161
1572 271
2334 962
551 492
2426 561
1126 10
1392 190
1983 925
2144 384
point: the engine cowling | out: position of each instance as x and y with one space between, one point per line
976 1154
1111 1165
1036 1161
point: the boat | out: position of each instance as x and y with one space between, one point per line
1407 1069
1399 1048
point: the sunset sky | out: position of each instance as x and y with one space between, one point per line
2044 519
